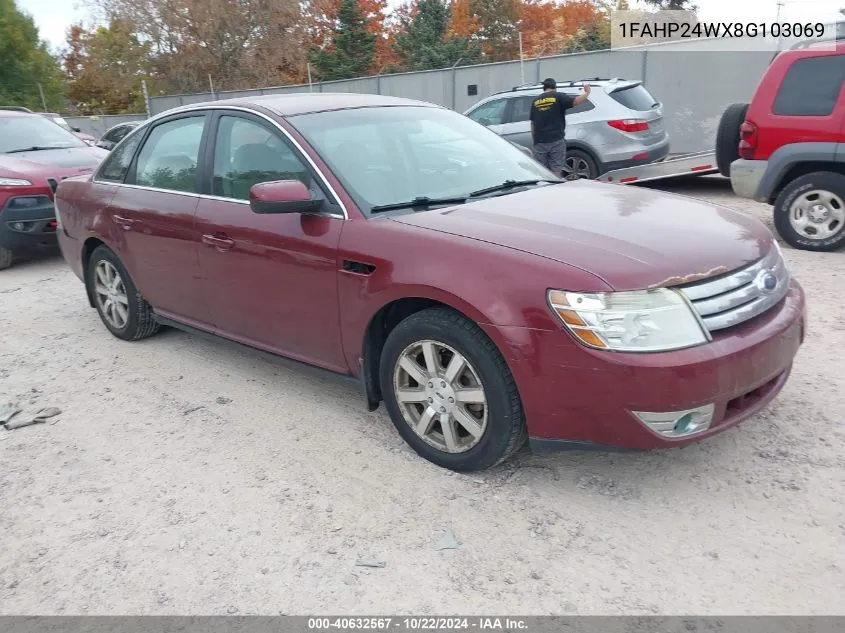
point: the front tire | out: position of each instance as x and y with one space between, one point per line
450 393
6 258
809 212
122 309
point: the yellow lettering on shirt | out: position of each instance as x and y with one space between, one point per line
544 103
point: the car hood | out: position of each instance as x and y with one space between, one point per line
51 162
631 238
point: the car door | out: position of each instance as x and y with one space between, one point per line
154 212
270 280
491 114
517 127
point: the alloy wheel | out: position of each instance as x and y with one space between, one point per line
111 295
441 396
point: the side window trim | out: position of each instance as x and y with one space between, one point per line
131 172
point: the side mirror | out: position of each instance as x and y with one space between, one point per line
76 129
282 196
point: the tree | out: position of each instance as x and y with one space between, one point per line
105 69
237 43
425 44
548 28
672 5
27 67
497 30
595 37
351 51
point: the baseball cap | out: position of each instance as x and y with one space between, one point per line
549 84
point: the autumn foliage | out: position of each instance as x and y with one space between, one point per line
182 46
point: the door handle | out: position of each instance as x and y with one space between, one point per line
126 223
219 241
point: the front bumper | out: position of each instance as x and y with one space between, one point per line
746 176
27 221
575 397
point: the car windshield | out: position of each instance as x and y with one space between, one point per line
22 132
388 155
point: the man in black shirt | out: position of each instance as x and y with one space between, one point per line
548 124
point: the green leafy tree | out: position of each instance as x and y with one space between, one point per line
25 63
105 69
423 42
672 5
351 50
596 37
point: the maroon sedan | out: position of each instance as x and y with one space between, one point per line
404 245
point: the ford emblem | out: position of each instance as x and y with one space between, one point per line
766 281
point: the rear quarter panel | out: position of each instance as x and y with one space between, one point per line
776 131
80 204
489 284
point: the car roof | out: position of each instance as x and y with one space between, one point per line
296 103
17 113
573 85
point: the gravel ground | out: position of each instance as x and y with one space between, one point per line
184 476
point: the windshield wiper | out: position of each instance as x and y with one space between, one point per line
419 202
34 148
509 184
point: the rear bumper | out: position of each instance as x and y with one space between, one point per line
651 155
746 176
27 222
579 398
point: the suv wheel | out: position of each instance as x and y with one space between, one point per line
6 258
810 212
581 164
449 392
727 137
121 307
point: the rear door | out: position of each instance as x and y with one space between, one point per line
518 126
154 213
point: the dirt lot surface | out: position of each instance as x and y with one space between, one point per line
187 477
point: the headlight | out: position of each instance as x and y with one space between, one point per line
14 182
639 321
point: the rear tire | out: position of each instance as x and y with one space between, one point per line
802 206
455 362
6 258
727 137
122 309
579 163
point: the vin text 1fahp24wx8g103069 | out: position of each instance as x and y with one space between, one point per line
482 300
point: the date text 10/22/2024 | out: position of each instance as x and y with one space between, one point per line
417 624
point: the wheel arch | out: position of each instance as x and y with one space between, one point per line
390 314
802 169
88 247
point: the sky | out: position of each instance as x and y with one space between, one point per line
53 17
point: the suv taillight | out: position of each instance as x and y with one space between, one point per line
747 140
629 125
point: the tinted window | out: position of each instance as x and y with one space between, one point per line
248 153
522 109
491 113
395 154
117 163
635 98
168 159
811 87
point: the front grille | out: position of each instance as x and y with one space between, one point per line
740 296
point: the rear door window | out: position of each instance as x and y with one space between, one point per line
635 98
811 87
522 109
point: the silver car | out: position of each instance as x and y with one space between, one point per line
620 125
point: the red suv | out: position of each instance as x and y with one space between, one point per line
35 154
790 145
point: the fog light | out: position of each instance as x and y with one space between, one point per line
678 423
18 226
